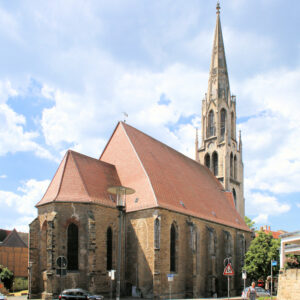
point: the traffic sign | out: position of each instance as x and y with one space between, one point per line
170 277
274 263
228 271
61 261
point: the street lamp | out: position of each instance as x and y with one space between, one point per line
120 192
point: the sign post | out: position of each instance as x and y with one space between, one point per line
228 271
273 264
244 276
111 274
170 280
62 263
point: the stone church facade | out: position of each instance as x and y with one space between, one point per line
181 220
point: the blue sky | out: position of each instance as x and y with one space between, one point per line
69 69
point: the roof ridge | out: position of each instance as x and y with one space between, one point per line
143 167
81 177
177 152
14 233
62 175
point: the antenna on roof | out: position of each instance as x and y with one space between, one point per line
125 116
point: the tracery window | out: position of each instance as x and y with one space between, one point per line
72 245
215 163
109 248
173 248
211 124
223 124
207 160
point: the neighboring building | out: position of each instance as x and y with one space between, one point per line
289 279
14 252
220 151
267 229
180 220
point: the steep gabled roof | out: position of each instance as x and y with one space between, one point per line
14 240
178 183
80 178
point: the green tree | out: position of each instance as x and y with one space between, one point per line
262 250
7 277
249 222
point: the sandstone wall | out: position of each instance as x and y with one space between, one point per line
289 284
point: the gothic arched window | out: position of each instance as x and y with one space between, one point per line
215 163
72 247
157 233
232 126
223 124
173 248
109 248
231 165
234 196
211 124
235 167
207 160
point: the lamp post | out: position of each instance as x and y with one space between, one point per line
120 192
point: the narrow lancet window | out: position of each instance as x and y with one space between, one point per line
234 196
109 248
72 247
223 124
207 160
211 124
173 249
215 163
157 233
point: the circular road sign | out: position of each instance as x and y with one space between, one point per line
61 261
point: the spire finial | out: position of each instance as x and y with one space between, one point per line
218 7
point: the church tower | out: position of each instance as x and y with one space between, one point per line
220 151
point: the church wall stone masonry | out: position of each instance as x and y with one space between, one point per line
185 217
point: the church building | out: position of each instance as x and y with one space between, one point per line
183 220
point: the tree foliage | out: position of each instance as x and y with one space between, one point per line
249 223
7 277
262 250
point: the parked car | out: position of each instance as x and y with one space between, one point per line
261 292
78 294
2 297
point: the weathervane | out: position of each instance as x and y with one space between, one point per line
125 116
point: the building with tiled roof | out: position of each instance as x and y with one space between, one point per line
180 220
275 234
14 252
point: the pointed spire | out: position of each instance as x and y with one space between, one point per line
218 83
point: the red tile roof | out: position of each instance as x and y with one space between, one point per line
80 178
175 181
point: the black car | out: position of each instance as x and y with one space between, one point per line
78 294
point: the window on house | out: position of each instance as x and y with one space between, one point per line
215 163
207 160
211 124
223 124
72 247
173 249
109 248
157 233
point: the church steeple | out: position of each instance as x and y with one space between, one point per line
218 83
219 150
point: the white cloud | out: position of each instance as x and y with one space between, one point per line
3 176
261 219
298 205
24 201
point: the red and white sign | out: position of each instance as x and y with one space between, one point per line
228 271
